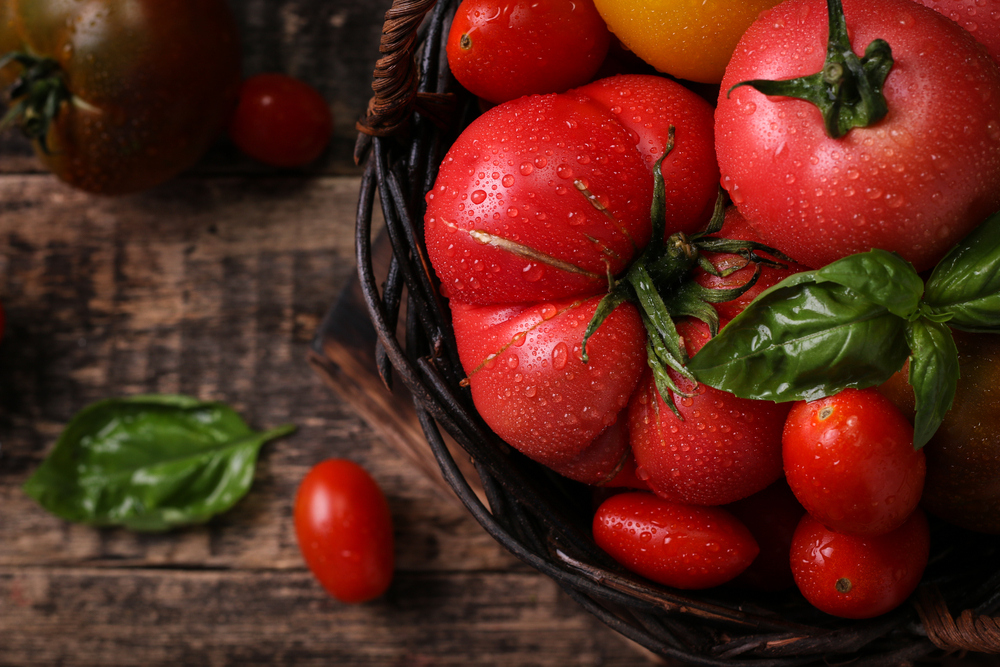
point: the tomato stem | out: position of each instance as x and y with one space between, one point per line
36 96
848 90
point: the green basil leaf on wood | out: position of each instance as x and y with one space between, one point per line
149 463
934 373
801 340
966 284
881 277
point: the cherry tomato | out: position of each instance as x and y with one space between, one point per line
669 543
905 183
859 576
725 447
281 121
503 49
344 530
149 84
771 515
850 461
690 40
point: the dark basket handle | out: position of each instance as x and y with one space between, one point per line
971 632
397 76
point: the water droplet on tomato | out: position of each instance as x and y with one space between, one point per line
519 338
564 171
526 168
548 311
560 355
541 162
531 391
507 180
478 197
533 272
993 130
748 108
645 536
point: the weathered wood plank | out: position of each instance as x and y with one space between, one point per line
214 618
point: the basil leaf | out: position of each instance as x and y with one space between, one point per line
934 373
149 463
882 277
802 340
966 283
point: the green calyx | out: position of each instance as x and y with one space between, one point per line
36 96
855 322
660 283
848 90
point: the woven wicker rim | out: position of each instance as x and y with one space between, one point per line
416 112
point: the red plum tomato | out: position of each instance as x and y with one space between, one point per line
673 544
855 576
344 530
725 447
281 121
504 49
849 459
914 182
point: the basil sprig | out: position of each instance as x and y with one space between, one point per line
854 322
149 463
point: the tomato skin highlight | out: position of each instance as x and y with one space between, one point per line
281 121
678 545
344 530
903 184
504 49
882 570
157 81
850 461
725 448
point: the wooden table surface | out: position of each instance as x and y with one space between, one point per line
213 285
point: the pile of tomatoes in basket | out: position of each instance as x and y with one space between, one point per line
750 373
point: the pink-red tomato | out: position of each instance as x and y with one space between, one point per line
673 544
735 226
725 448
850 461
344 530
281 121
914 182
648 106
539 198
981 19
859 576
528 379
771 516
504 49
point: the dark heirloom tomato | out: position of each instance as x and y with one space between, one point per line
963 457
153 83
914 182
670 543
344 530
859 576
539 198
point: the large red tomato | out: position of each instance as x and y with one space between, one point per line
979 17
914 182
150 84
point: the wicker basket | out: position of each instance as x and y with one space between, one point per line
545 520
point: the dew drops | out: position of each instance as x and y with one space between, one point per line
560 355
564 171
526 168
512 361
519 338
532 272
531 391
548 311
478 196
507 180
748 108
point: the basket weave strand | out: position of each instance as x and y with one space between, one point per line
543 519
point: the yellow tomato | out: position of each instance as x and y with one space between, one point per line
689 39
